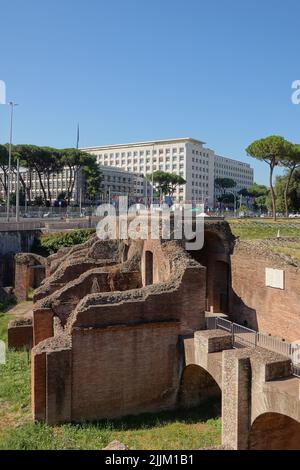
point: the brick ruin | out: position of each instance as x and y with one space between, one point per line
116 327
107 324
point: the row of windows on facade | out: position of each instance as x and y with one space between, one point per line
238 180
39 192
200 177
198 160
122 189
202 154
204 170
239 170
154 167
196 183
141 153
195 191
34 176
137 161
117 178
234 174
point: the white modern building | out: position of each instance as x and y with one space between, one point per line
242 173
115 182
57 184
186 157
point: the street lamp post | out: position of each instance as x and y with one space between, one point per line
12 105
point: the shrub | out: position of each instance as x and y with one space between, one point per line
48 244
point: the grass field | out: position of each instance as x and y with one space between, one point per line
257 229
183 429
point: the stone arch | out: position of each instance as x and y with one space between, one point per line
215 257
197 386
274 431
148 268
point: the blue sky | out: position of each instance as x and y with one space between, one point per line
220 71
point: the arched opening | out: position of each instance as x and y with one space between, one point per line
148 268
197 387
274 431
214 256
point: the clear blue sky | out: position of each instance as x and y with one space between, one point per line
218 70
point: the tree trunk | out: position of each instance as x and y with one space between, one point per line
48 187
73 182
42 187
4 184
286 191
272 192
70 181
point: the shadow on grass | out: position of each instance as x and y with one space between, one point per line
211 409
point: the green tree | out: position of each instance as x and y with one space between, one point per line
166 183
258 194
75 160
293 196
227 197
93 178
291 163
272 150
224 183
34 158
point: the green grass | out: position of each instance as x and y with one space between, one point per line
257 229
181 429
291 248
188 429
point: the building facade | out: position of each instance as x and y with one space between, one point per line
242 173
186 157
115 182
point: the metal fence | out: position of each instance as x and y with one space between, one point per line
243 337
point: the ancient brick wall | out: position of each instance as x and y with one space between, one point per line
20 335
269 310
124 370
29 273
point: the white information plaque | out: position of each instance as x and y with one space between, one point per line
275 278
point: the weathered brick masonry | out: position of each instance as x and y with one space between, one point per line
266 309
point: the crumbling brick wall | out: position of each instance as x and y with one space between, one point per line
29 273
127 340
19 334
269 310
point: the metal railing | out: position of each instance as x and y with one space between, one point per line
243 337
